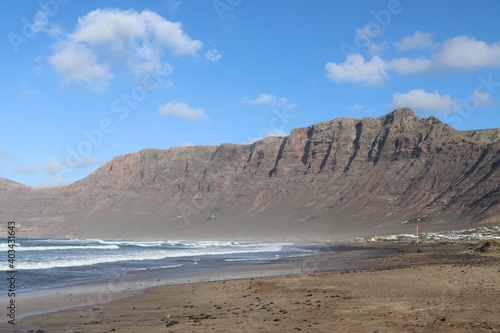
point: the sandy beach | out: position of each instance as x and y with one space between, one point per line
442 287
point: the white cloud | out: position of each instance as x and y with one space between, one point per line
374 48
173 5
275 133
481 99
78 64
105 37
30 169
176 109
363 35
39 70
278 133
463 52
81 162
4 151
261 99
53 165
356 107
213 55
40 21
422 101
418 40
26 90
30 92
55 181
409 65
268 99
356 69
41 24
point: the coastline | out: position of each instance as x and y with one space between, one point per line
369 286
32 303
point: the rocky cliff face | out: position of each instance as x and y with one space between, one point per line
339 178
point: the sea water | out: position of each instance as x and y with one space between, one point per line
52 263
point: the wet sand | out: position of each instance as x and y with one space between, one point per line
444 288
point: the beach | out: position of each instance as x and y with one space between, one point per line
427 287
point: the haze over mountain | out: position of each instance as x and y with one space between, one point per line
340 178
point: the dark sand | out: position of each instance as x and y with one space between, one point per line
445 288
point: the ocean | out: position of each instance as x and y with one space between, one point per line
42 264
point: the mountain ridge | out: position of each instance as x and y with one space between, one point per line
340 178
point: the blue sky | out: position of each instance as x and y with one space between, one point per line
84 81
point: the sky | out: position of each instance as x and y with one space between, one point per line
84 81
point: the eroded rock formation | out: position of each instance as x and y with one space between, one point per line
340 178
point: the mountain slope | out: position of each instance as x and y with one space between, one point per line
339 178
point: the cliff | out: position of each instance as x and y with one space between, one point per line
341 178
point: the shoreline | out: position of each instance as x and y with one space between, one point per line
396 261
33 303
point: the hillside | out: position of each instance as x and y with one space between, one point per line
340 178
